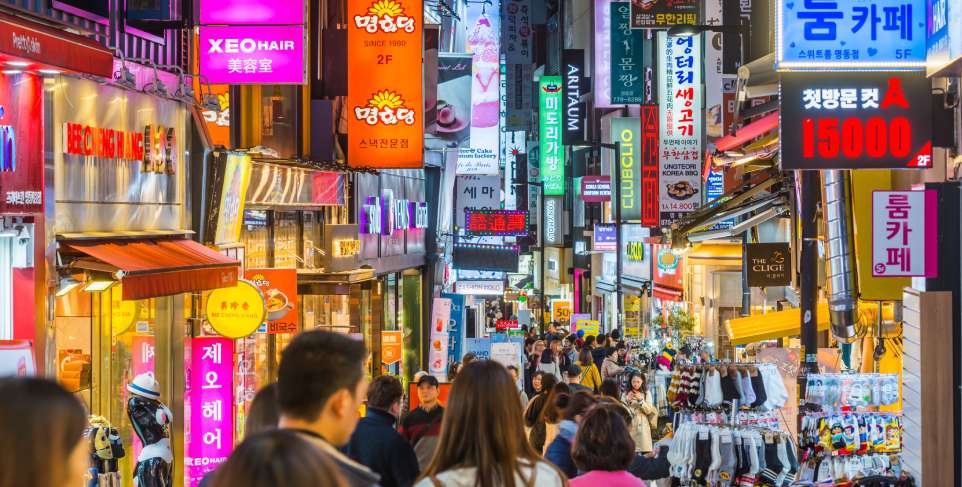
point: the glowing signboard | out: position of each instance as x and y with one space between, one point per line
496 222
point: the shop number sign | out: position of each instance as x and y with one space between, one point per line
904 237
238 311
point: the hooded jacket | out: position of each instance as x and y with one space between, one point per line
559 451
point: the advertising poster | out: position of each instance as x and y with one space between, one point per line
210 395
680 90
16 358
483 43
605 237
575 318
438 357
550 150
601 72
591 327
859 121
478 193
391 342
561 311
627 54
873 34
21 144
480 347
230 212
452 125
647 14
624 132
280 293
904 233
455 326
509 353
385 126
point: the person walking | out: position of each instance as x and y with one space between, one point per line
43 427
559 450
551 414
422 426
590 376
482 441
321 384
376 444
513 370
610 368
604 450
549 360
573 379
533 416
644 414
600 350
277 457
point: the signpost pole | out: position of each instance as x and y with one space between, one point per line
616 200
807 263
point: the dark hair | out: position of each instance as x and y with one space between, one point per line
468 358
548 381
609 388
602 339
278 457
481 429
589 340
609 351
603 441
584 356
552 409
263 414
512 367
644 381
577 404
618 405
314 366
47 423
383 392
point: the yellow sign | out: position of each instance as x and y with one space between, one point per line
236 312
591 327
347 247
561 311
123 314
230 214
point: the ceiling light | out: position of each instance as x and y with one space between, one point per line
67 284
19 64
48 71
11 71
98 285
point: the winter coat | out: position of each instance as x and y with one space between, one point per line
543 475
550 365
644 419
354 473
559 451
610 369
620 478
590 376
376 444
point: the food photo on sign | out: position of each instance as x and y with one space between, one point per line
452 125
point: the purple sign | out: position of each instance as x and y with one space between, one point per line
606 237
250 12
211 400
252 54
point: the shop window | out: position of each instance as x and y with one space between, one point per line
278 127
255 238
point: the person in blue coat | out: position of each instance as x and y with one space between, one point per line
376 443
573 407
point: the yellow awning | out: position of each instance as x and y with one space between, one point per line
729 254
772 325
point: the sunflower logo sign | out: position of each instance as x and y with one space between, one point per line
385 107
385 16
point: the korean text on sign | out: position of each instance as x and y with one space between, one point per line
210 395
904 238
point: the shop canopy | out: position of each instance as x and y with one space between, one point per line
772 325
156 267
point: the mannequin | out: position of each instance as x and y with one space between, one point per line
106 448
151 421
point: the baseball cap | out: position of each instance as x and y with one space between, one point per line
430 379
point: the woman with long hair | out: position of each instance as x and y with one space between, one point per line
277 457
604 450
590 376
551 414
43 427
482 442
573 407
533 417
644 414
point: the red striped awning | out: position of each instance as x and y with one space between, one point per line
748 133
666 293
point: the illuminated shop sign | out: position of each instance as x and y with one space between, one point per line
252 54
904 233
870 34
574 109
648 148
550 149
859 121
769 264
155 147
624 131
384 216
8 148
627 46
663 13
595 189
482 257
635 254
496 222
605 237
553 214
346 247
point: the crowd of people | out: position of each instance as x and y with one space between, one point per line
570 424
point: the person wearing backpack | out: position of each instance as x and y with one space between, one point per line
590 376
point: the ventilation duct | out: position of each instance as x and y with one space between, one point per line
843 300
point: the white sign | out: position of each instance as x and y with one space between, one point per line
904 233
438 356
478 192
508 353
680 127
480 288
553 233
474 160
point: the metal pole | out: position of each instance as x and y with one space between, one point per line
808 268
616 202
541 229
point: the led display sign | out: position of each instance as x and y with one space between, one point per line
859 121
624 132
496 222
483 257
648 148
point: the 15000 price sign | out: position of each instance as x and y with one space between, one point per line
865 120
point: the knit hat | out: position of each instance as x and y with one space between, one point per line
145 385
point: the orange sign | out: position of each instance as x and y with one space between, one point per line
217 117
391 342
280 293
385 114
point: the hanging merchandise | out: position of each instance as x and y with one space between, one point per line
852 390
711 386
840 447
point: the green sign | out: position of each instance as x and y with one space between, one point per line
550 149
627 133
627 57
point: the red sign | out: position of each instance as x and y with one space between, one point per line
53 47
502 325
596 189
280 293
21 143
649 166
496 222
327 188
154 147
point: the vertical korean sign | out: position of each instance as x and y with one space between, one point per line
601 74
904 233
210 393
549 133
648 148
624 131
627 78
385 125
680 90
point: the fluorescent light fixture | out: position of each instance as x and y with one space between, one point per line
48 71
18 64
696 237
98 285
12 71
758 219
67 284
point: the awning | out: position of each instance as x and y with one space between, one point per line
666 293
156 267
772 325
727 254
748 133
51 47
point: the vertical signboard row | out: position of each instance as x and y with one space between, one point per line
385 116
624 132
550 148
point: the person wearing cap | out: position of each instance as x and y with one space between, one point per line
422 426
573 378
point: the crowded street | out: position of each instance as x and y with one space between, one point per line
480 243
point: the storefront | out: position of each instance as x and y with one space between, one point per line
635 278
128 275
392 216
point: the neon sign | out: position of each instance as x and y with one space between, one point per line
496 222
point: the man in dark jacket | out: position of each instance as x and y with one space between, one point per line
376 444
600 350
422 426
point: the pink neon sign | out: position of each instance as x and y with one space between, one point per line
211 397
241 54
250 12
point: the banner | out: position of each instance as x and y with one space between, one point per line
516 31
904 233
574 115
646 14
385 127
601 72
391 343
624 131
476 192
439 351
561 311
649 156
483 43
455 326
451 128
627 48
680 92
550 150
